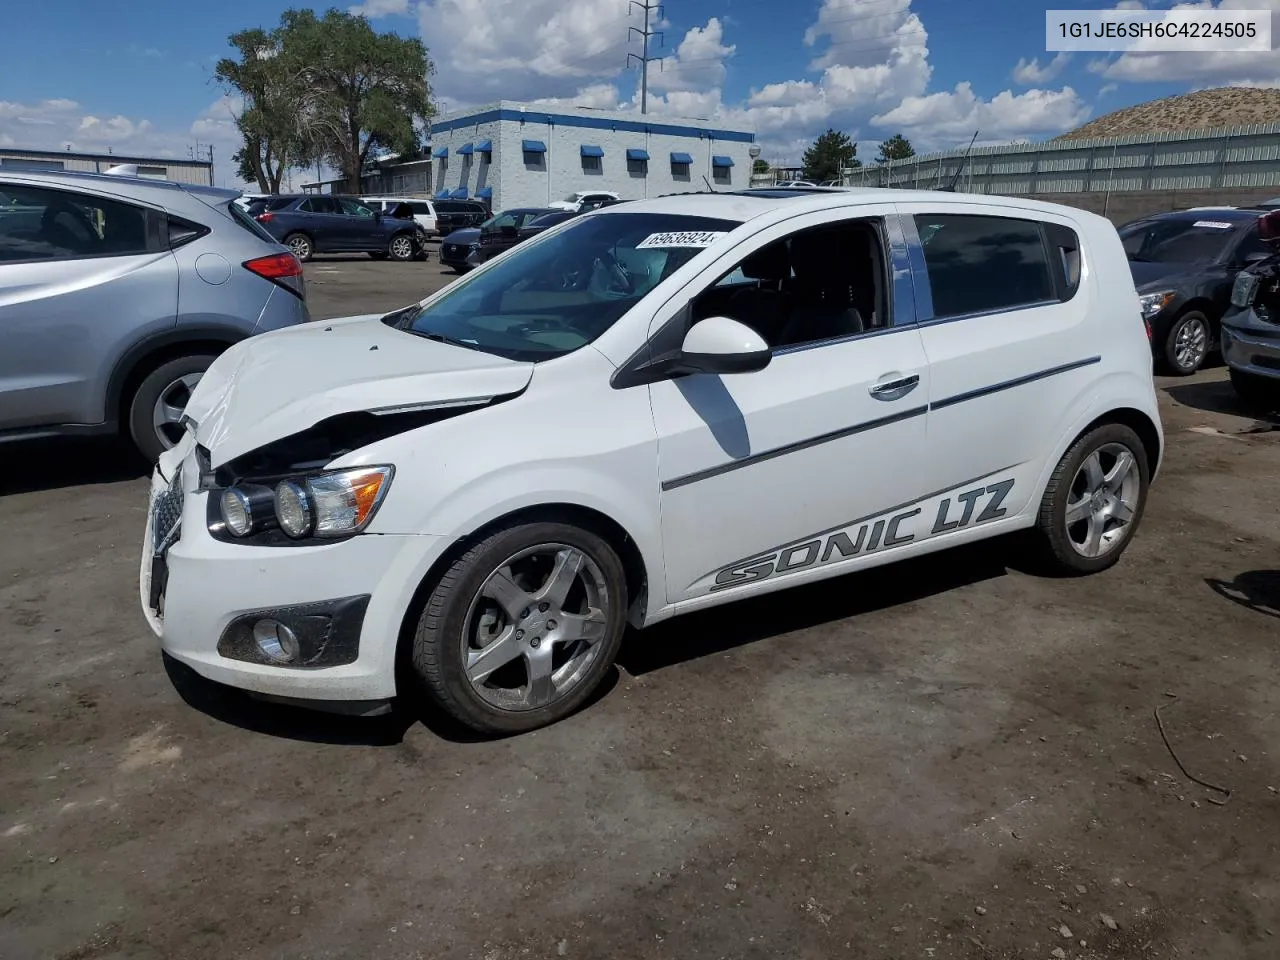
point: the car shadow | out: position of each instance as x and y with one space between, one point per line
709 632
56 463
1256 590
296 721
1217 396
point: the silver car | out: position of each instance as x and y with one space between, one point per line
116 293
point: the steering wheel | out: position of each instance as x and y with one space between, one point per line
611 278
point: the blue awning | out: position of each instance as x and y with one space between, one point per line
441 153
722 161
591 150
681 158
636 154
484 193
442 194
459 194
533 146
484 146
465 150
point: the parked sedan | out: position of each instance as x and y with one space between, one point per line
308 224
535 226
1183 264
1251 327
503 232
458 246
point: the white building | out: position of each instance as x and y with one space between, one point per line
517 154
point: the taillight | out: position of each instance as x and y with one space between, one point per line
281 268
265 217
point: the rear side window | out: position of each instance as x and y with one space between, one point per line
447 206
321 205
421 208
278 203
979 264
40 224
246 220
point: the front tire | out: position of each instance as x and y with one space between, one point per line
522 628
1093 503
1187 344
155 412
1262 394
401 247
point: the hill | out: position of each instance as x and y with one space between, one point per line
1219 107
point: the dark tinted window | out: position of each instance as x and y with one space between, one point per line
245 219
275 203
980 263
39 224
447 206
1180 240
321 205
1250 245
420 207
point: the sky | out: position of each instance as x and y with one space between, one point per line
138 79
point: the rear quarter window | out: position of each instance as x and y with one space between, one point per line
248 223
981 264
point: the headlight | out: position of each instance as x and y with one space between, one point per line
1153 303
338 503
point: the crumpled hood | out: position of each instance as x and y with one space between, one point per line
276 384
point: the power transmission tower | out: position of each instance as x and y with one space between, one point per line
648 7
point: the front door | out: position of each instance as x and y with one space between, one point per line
815 460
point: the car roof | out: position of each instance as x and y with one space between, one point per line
138 188
743 205
1234 214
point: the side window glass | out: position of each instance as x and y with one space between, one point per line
353 208
981 263
1250 245
39 224
420 208
821 283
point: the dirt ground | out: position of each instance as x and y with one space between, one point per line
944 758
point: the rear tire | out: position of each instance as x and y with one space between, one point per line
1261 394
301 246
156 409
1093 503
529 636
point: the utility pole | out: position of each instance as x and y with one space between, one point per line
648 7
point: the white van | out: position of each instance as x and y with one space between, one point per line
424 214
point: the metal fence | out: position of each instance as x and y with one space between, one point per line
1222 158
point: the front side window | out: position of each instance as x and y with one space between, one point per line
354 208
1176 240
978 264
555 295
500 221
40 224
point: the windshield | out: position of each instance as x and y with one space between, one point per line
1176 241
558 293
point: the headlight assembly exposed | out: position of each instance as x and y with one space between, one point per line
1153 303
334 504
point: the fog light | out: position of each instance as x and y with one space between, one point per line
276 641
237 512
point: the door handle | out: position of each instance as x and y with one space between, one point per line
896 388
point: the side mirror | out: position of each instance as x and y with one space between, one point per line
1257 256
723 345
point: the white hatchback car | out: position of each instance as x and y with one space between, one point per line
650 409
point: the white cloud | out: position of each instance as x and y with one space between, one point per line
1203 67
380 8
697 63
1108 88
598 96
1028 72
951 118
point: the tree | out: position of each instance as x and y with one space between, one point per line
361 90
896 147
759 166
830 154
268 88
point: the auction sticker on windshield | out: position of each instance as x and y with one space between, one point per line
1213 224
689 238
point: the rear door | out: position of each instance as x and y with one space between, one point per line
1003 304
323 219
79 273
362 228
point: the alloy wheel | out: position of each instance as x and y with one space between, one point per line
535 627
166 415
1191 343
402 248
300 246
1103 500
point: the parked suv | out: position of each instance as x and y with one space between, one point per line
311 223
117 293
423 212
747 393
454 215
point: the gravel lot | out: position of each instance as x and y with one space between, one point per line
944 758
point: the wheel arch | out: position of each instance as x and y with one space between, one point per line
144 356
1137 421
589 518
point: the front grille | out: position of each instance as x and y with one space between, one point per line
451 249
168 514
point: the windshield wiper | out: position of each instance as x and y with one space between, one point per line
403 317
441 338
